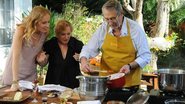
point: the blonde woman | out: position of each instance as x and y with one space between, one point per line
27 43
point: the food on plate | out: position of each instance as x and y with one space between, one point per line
94 61
116 76
115 102
17 96
94 73
6 98
65 95
51 95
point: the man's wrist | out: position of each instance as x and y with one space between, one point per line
130 67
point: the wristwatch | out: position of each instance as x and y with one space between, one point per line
130 67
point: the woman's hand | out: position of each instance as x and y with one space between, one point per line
42 58
76 56
14 87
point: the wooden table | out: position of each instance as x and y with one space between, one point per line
38 97
150 79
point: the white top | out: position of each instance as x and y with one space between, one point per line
138 36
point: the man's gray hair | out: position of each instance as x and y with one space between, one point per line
113 5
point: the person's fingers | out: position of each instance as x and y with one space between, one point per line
122 70
14 87
10 90
76 57
86 68
125 70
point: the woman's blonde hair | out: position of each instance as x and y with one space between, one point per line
29 22
61 26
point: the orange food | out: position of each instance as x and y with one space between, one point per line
97 64
92 61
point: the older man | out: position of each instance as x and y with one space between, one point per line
122 42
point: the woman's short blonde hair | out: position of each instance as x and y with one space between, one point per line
61 26
30 22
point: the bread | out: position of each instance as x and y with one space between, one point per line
17 96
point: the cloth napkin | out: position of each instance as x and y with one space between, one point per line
51 87
89 102
25 85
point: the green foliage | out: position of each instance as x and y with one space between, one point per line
94 6
83 26
148 69
149 11
176 4
174 57
177 17
52 25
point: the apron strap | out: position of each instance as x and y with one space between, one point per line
128 27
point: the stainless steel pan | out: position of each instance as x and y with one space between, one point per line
172 80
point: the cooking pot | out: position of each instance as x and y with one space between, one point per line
171 80
92 87
175 101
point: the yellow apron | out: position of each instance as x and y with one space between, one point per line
119 51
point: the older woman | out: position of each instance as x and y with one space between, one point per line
27 43
63 51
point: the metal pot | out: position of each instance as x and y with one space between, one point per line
92 87
175 101
171 80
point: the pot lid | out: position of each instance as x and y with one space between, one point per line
81 76
171 71
138 98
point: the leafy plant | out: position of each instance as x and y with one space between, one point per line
174 57
52 25
177 17
84 25
149 11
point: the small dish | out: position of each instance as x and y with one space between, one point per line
115 102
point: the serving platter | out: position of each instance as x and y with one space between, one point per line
5 98
2 94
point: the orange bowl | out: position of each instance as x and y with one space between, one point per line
116 81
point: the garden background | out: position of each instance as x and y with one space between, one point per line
162 20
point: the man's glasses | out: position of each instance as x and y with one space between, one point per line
111 19
65 34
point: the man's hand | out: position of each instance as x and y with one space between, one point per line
84 65
125 69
